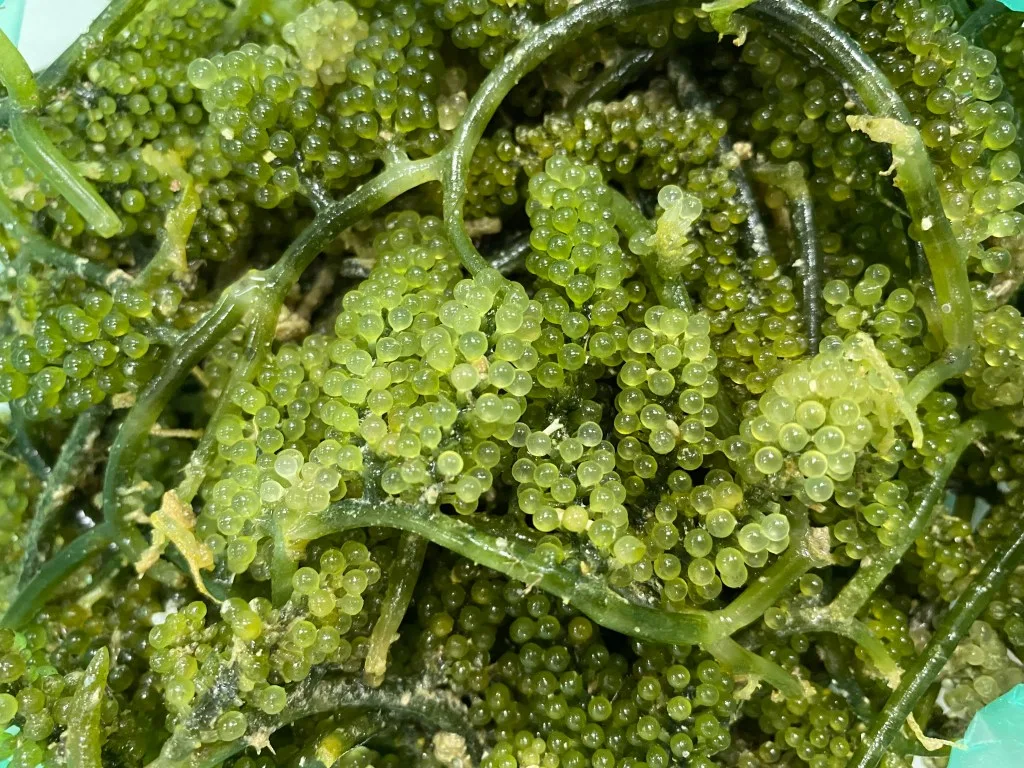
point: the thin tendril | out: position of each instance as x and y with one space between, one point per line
71 464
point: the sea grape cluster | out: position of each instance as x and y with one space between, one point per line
608 385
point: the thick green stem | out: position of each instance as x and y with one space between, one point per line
741 661
579 21
891 122
571 580
76 456
807 551
879 564
948 633
49 161
51 576
402 577
826 620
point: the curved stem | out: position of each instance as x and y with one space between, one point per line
41 588
890 122
579 21
402 577
55 168
739 660
950 630
826 620
568 580
76 454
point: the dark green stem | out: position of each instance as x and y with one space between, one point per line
929 663
690 96
628 69
51 576
978 22
580 21
24 447
790 179
76 456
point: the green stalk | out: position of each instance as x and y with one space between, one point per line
690 96
23 445
76 456
33 247
41 153
807 551
983 16
44 585
570 580
580 21
929 663
631 220
418 704
402 577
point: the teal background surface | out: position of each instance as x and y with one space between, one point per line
11 13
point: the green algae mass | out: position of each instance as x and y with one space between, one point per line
512 384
